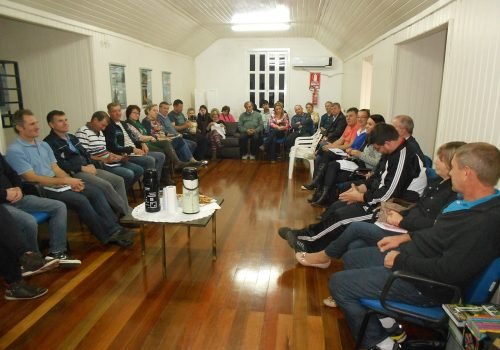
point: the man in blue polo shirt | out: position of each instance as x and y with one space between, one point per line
463 241
34 161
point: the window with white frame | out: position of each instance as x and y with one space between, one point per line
268 76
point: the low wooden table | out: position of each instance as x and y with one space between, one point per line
196 223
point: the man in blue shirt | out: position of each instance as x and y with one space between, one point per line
34 161
463 241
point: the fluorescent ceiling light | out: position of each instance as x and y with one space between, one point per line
260 27
276 19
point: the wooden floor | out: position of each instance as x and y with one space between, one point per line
254 296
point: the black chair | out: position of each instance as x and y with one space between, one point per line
479 292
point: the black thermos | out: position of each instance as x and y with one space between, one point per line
151 191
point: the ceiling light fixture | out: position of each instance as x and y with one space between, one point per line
260 27
276 19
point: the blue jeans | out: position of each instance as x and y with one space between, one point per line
111 185
27 224
191 144
356 235
182 149
272 141
154 160
364 276
93 209
130 173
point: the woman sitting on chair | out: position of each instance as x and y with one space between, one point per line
278 128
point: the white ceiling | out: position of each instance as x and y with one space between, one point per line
190 26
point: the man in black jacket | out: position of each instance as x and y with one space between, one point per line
463 241
338 123
398 174
74 159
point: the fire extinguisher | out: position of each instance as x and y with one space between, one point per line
315 97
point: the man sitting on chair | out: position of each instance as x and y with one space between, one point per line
463 241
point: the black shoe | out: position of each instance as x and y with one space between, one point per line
291 236
31 261
310 186
181 165
122 238
47 266
396 346
199 164
300 247
397 333
322 201
283 231
314 197
22 291
65 261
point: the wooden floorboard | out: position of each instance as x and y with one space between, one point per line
254 296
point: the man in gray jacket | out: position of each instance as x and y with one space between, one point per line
250 126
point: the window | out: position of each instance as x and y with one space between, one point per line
167 97
267 76
11 98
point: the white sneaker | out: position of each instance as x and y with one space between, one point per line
329 302
251 157
246 156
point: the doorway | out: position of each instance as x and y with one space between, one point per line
417 85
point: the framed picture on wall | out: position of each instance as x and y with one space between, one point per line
118 87
167 88
146 87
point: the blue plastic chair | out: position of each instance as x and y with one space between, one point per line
40 216
479 292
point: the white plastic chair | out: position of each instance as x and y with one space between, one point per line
304 148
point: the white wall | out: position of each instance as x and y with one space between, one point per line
111 49
470 98
54 67
64 64
224 66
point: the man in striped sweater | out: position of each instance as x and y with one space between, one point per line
92 138
399 174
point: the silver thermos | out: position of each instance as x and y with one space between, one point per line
190 191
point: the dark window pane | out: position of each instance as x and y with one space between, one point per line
272 63
271 99
252 97
281 97
252 81
262 97
271 81
252 62
281 85
262 82
282 64
262 62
